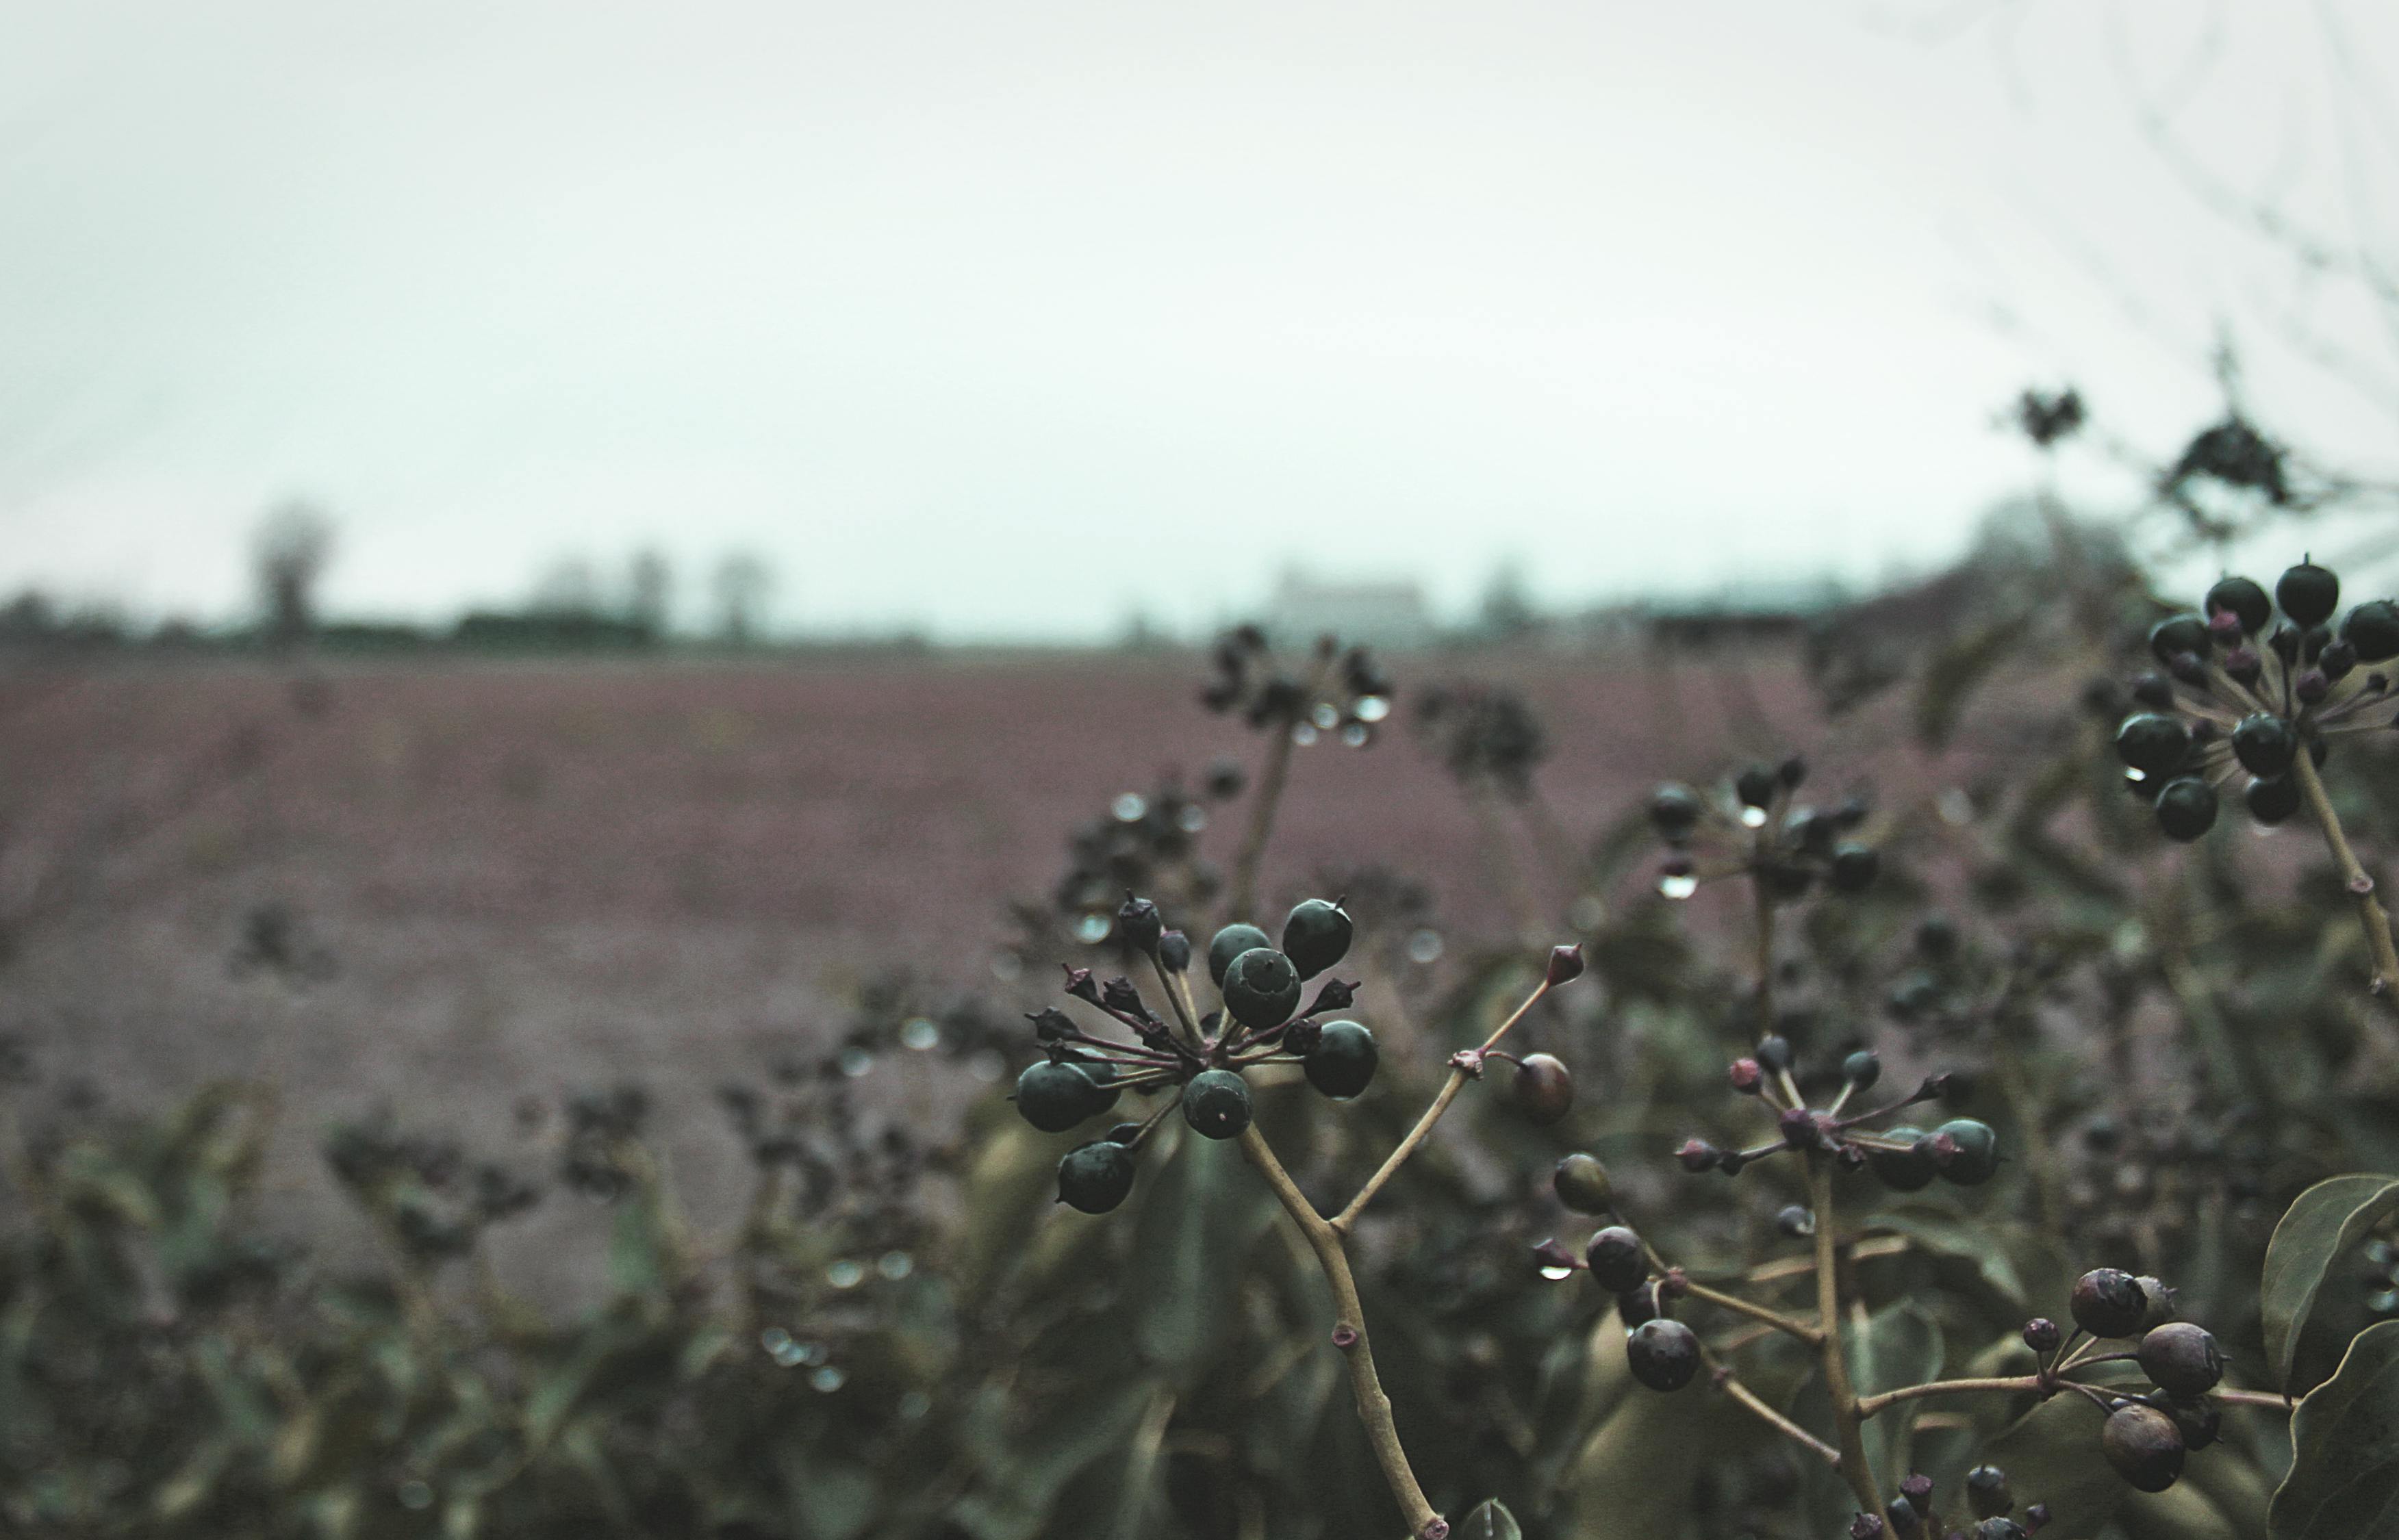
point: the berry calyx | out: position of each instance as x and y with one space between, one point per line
2107 1302
1229 943
1261 988
1664 1354
1543 1088
1315 936
2181 1359
1565 967
1342 1064
2144 1445
1096 1176
1581 1185
1216 1104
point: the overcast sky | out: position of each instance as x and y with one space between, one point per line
1009 318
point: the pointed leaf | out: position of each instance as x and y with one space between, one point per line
2320 1227
1899 1347
2344 1479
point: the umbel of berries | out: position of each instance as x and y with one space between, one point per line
1962 1151
2248 685
1202 1060
1753 825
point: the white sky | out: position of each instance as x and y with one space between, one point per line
1009 318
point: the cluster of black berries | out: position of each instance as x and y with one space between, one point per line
435 1200
2145 1438
1753 828
1201 1058
1913 1515
2243 693
1485 733
1664 1354
1962 1151
1341 692
1146 843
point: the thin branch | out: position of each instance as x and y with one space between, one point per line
1776 1420
1846 1416
1869 1405
2370 914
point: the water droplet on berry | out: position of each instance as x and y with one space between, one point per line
827 1380
1424 946
844 1274
895 1266
1130 808
1326 716
856 1062
920 1034
1752 818
1092 929
1371 709
1557 1274
1304 734
1678 887
1356 734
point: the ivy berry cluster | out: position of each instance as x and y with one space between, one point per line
1753 825
1962 1151
1989 1498
1200 1059
2241 692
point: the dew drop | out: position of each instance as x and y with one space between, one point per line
790 1355
1956 808
1130 808
1304 734
1557 1274
1326 716
1371 709
1357 734
807 1353
827 1380
1092 929
1681 886
920 1034
856 1062
1752 818
844 1274
1192 819
895 1266
987 1066
1424 946
776 1341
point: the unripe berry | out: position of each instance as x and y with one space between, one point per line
2041 1334
1566 966
1216 1104
1774 1052
1229 943
2109 1303
1746 1076
1616 1260
2185 808
1543 1088
2181 1359
2308 593
1174 951
1261 988
1862 1069
1096 1176
1854 867
2034 1517
1698 1155
1755 785
1905 1523
1868 1526
1581 1185
1054 1096
1664 1354
2264 744
2244 665
1342 1062
1674 810
1976 1153
1916 1488
2337 661
1906 1170
2144 1445
1315 936
2153 742
2244 599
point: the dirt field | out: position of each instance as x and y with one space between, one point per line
504 879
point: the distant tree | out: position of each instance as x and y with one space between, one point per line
1507 611
570 587
743 584
649 598
291 549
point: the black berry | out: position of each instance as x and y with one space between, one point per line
2273 799
2153 742
1616 1260
2109 1303
2372 630
2308 593
2041 1334
1054 1096
1316 936
1543 1088
2183 634
1987 1491
2242 598
1853 868
1261 988
2199 1421
1581 1185
1976 1154
1174 951
2181 1359
1903 1170
1139 924
1755 785
1216 1104
1666 1354
2185 808
2144 1445
1998 1528
1096 1176
1862 1069
2265 744
1674 810
1342 1064
1231 943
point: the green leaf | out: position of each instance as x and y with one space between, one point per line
1195 1227
2344 1479
2320 1227
1636 1469
1899 1347
1948 1235
1490 1520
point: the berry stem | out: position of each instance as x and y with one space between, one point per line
1846 1414
1374 1403
2013 1384
1765 903
1791 1324
1182 1011
1777 1421
1463 1067
2272 1399
2370 914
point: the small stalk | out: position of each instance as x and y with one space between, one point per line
2370 914
1846 1418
